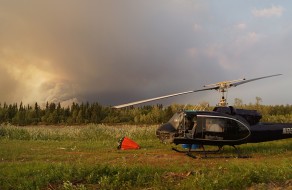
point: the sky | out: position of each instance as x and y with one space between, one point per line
114 52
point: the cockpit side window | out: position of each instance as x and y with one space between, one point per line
220 128
199 127
215 125
235 130
190 122
176 119
214 128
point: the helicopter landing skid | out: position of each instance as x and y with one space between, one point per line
199 151
205 152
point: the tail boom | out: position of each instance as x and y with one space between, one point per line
262 132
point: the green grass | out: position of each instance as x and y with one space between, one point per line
85 157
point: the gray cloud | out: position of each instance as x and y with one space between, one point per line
116 51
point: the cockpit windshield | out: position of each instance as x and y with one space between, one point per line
176 119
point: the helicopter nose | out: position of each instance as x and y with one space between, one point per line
166 133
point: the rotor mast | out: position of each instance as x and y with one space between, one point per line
223 100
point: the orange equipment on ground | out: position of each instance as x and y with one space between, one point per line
126 144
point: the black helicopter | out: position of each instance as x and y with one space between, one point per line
225 125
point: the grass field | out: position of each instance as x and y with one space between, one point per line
86 157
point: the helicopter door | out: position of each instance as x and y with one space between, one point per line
220 128
209 127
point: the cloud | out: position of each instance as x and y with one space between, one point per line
114 52
247 40
218 53
274 11
240 26
31 79
197 27
193 52
103 51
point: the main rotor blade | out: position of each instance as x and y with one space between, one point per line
215 87
162 97
250 80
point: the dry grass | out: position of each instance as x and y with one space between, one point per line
85 157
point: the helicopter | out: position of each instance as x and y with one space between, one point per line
225 125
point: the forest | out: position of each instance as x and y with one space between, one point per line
85 113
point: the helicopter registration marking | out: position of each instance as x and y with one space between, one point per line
287 130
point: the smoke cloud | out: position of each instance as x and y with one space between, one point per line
113 52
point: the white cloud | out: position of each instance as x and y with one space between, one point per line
268 12
217 52
240 26
248 39
252 37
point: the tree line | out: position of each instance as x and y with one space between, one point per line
84 113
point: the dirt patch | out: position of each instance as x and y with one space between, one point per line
173 176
